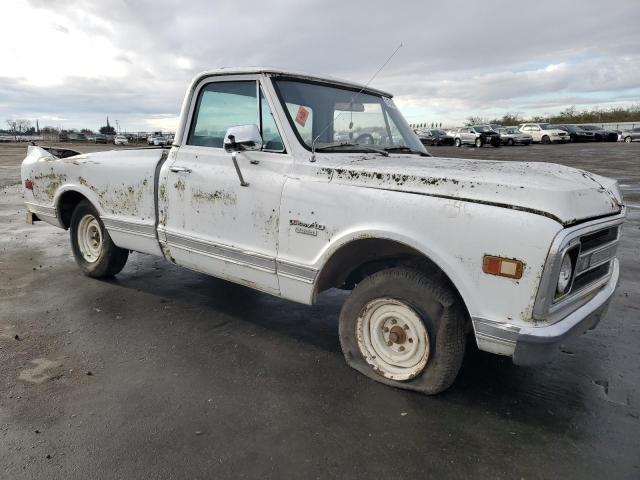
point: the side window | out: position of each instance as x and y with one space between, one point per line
272 141
222 105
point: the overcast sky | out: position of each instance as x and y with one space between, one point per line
70 63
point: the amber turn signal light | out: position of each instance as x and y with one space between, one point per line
503 267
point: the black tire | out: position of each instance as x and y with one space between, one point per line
510 142
478 143
526 144
111 259
545 140
439 309
457 142
627 139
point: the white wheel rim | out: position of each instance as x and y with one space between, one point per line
90 238
392 339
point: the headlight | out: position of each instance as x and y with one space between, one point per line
566 271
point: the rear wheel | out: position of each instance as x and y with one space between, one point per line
627 139
478 142
94 251
545 140
458 142
405 329
510 142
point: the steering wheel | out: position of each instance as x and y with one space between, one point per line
360 139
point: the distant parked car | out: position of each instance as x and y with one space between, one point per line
100 138
630 135
478 135
120 140
63 137
577 133
545 133
77 137
434 136
601 134
513 136
159 140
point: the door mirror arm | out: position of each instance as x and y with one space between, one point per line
234 158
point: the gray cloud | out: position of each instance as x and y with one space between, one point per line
459 57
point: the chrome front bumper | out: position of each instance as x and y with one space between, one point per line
535 345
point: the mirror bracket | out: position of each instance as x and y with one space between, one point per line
234 157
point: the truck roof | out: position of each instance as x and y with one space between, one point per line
289 73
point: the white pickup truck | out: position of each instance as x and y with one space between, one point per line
293 184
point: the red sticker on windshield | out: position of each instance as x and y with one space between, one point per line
302 115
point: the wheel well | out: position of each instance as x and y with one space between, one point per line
67 204
360 258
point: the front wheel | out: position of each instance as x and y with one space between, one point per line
627 139
458 143
478 142
510 142
405 329
94 251
545 140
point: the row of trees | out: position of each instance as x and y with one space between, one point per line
569 115
21 127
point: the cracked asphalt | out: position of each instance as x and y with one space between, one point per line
167 373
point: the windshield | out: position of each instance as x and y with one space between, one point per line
482 128
438 133
589 127
547 126
334 116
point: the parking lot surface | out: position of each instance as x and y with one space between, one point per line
166 373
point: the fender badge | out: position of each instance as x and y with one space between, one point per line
306 228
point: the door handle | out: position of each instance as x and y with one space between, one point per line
180 169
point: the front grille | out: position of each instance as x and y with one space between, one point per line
590 276
592 258
592 248
599 238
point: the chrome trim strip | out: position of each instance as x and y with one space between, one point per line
222 252
495 330
133 228
297 271
41 209
294 271
563 241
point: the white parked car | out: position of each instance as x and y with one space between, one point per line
159 140
545 133
519 255
120 140
513 136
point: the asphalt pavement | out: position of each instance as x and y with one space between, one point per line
167 373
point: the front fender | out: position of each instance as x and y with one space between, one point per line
453 234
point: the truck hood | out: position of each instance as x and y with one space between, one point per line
565 194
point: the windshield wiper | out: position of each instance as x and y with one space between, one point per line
357 146
399 149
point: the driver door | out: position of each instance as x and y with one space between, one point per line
212 223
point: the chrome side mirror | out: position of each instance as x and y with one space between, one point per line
243 138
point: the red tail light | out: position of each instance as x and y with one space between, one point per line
28 184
